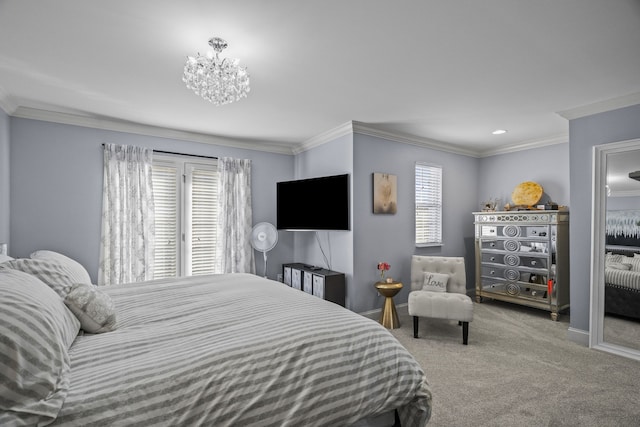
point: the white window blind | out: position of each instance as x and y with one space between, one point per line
428 205
186 198
202 211
166 185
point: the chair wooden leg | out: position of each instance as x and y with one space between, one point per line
465 333
415 326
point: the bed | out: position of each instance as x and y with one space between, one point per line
224 350
622 281
622 264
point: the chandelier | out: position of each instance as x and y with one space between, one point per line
220 81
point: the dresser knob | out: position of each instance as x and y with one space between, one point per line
493 258
533 262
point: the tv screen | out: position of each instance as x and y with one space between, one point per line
313 204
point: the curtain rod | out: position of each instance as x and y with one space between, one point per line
182 154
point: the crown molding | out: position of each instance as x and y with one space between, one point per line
324 137
364 129
601 106
344 129
7 104
111 124
527 145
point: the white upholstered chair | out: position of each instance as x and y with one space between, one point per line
452 303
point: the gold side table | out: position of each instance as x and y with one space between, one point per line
389 316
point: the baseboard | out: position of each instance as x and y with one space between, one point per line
375 314
579 336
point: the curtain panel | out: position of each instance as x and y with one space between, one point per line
235 216
127 240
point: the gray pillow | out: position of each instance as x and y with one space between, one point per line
79 274
94 309
51 272
37 330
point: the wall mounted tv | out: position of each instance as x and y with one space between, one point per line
313 204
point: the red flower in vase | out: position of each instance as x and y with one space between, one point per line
383 266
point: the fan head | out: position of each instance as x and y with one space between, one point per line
264 236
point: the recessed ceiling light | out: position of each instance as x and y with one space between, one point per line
499 131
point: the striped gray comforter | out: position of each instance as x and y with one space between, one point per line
623 278
238 350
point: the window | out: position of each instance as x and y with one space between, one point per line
428 205
186 203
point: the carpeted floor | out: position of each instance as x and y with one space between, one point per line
622 331
519 369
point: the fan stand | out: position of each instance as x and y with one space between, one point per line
264 237
264 254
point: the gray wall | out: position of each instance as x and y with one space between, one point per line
548 166
56 187
331 158
391 238
586 132
388 238
4 178
623 203
55 183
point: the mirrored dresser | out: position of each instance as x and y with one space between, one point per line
522 257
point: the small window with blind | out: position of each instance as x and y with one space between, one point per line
428 205
186 216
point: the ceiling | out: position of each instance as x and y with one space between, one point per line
619 165
440 71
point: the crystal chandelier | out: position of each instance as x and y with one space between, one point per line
220 81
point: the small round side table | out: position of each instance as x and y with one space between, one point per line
389 316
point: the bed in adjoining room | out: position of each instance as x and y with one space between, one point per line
223 350
622 264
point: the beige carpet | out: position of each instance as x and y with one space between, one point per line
519 369
622 331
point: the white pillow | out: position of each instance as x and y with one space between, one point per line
4 258
619 266
435 282
93 308
79 274
635 263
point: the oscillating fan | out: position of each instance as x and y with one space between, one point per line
264 237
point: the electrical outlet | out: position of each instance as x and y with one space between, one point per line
3 249
279 277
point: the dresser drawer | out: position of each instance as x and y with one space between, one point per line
513 230
515 289
515 245
501 272
515 260
508 245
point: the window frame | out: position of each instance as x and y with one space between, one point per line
420 177
184 165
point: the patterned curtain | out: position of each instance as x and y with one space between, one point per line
127 242
235 216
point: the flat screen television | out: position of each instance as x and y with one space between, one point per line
313 204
